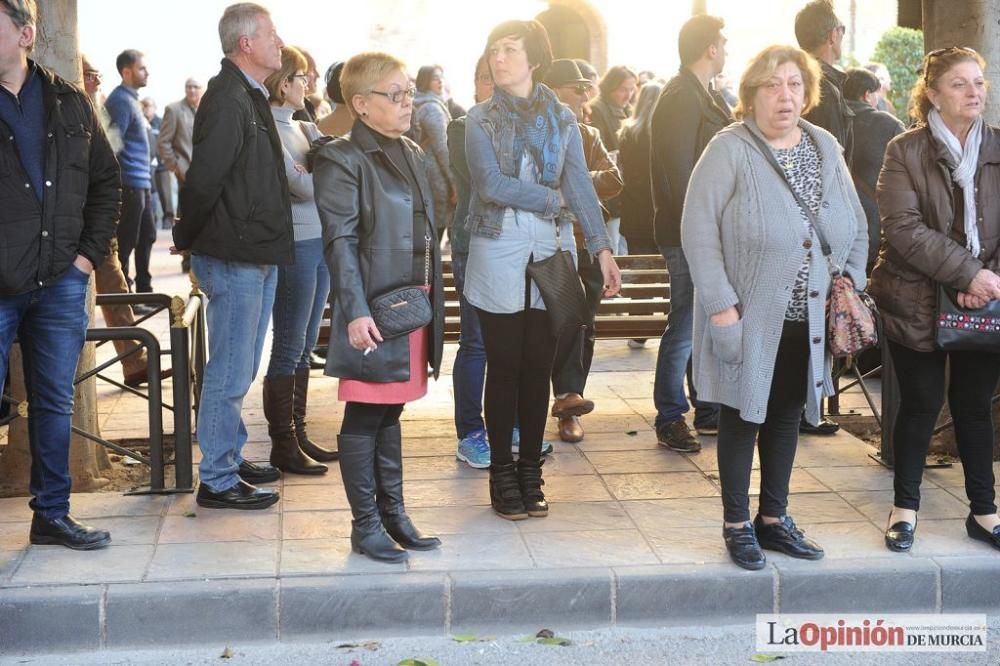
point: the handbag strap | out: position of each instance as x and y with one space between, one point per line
427 259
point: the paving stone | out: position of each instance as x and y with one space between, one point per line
840 450
316 524
425 443
953 476
935 504
948 537
802 481
839 479
193 612
899 585
675 513
438 467
624 462
969 584
56 564
313 497
689 594
609 428
524 601
589 548
644 438
842 540
460 520
331 479
40 620
812 508
447 492
14 536
341 607
133 531
9 560
473 552
664 485
604 406
687 545
578 516
707 460
14 509
583 488
217 526
214 560
102 505
330 557
565 460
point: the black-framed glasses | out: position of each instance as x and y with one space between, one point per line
396 96
302 77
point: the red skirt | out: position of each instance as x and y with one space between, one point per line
393 393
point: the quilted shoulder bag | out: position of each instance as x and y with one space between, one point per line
851 316
962 329
405 309
560 287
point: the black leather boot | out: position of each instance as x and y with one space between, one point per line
301 397
389 492
357 467
66 531
285 452
529 476
505 492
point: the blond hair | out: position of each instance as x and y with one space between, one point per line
763 66
363 72
292 61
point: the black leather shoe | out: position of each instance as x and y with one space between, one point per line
741 542
825 427
66 531
254 473
979 533
786 538
241 496
899 535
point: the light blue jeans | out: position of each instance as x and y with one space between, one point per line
300 298
240 298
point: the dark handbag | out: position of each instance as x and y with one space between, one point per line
404 309
851 316
561 289
962 329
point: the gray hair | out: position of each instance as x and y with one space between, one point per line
239 20
21 13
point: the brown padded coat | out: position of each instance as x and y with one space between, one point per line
917 206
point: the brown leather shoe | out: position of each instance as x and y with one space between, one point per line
570 429
573 404
137 379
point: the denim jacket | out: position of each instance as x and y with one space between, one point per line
489 146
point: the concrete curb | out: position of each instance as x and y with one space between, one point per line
45 619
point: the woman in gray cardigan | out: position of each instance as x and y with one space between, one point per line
761 283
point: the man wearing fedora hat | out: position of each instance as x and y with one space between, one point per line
570 378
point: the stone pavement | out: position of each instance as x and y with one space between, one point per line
633 537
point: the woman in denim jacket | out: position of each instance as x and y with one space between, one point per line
526 161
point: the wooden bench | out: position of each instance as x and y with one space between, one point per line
639 312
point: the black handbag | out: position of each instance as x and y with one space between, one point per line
962 329
405 309
561 289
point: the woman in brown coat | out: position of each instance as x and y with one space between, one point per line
939 200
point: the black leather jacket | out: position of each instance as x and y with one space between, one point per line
365 205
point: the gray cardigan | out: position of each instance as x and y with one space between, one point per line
744 240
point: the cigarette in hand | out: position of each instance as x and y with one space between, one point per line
370 350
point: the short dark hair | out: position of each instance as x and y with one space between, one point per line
536 43
333 83
425 75
697 34
858 82
127 58
813 24
614 77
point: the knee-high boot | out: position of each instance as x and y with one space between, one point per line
389 492
285 452
309 447
357 466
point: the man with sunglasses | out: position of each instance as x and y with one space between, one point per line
236 221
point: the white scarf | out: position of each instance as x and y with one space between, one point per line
963 163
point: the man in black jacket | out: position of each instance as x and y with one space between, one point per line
687 116
61 193
236 220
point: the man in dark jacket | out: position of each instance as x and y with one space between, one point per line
687 116
61 193
236 220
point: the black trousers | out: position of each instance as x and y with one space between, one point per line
776 438
366 419
575 353
973 378
136 233
519 352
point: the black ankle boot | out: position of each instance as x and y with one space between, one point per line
529 477
357 467
505 492
285 452
389 492
301 397
744 551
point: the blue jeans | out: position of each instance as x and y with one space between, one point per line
674 359
299 301
469 371
240 298
51 324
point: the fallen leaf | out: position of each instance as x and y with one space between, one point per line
371 646
766 658
527 639
418 662
545 633
190 514
472 638
631 433
555 640
228 653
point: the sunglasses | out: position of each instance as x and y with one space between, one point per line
579 88
936 53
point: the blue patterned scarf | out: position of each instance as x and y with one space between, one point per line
537 128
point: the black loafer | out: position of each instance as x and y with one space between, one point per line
744 551
786 538
980 533
899 535
825 427
66 531
241 496
254 473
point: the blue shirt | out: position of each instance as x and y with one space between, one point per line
127 119
24 114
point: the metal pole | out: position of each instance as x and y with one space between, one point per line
180 357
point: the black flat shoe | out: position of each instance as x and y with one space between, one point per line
254 473
241 496
66 531
741 542
980 533
825 427
899 535
786 538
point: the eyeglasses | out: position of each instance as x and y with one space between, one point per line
303 77
396 96
965 50
92 75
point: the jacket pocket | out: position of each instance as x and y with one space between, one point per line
727 342
77 153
